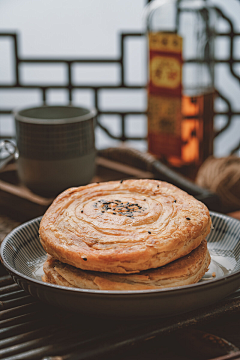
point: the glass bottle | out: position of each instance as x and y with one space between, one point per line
181 82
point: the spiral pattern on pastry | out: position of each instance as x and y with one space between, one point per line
123 226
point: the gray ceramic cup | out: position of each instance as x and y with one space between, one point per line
56 147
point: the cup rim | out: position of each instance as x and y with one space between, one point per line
16 112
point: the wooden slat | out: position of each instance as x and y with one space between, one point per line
126 169
24 193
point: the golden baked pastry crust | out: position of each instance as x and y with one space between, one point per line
123 226
187 270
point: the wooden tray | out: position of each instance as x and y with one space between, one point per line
18 202
112 164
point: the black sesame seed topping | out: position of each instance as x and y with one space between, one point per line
158 186
175 201
81 211
117 207
188 218
121 181
149 232
144 199
85 259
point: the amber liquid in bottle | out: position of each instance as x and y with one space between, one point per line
196 134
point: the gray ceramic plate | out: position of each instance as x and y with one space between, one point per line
23 257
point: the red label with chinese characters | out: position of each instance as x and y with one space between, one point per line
165 73
164 94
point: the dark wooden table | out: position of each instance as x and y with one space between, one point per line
179 338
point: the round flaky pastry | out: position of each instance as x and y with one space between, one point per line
123 226
187 270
